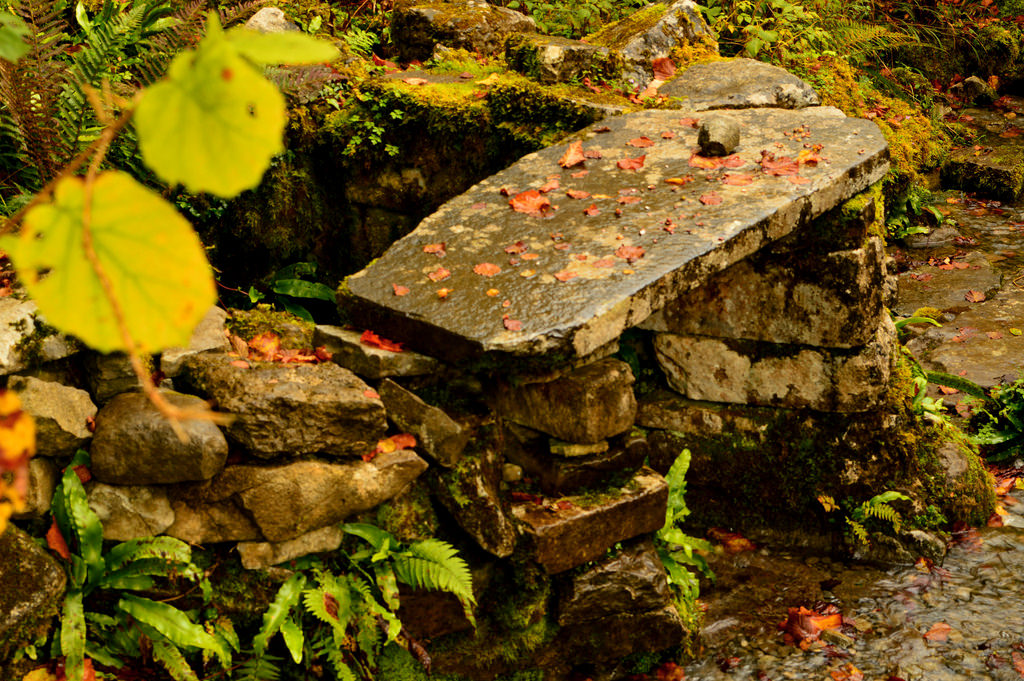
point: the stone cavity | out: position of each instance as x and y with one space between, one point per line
440 436
596 275
738 84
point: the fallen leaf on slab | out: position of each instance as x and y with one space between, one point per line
577 194
679 181
711 199
630 253
628 199
664 68
400 290
511 324
548 186
667 135
265 346
579 173
573 156
591 153
565 275
443 293
486 269
938 633
738 179
440 274
641 142
516 248
689 122
530 256
973 296
531 202
631 163
436 249
592 210
847 673
373 340
604 262
372 394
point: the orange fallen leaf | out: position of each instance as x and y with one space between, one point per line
516 248
511 324
443 293
531 202
548 186
1018 662
668 135
689 122
373 340
604 262
592 210
973 296
371 394
576 194
664 68
492 292
798 179
711 199
631 163
240 363
939 632
591 153
436 249
679 181
738 179
630 253
641 142
573 155
440 274
579 173
400 290
847 673
530 256
565 275
486 269
628 199
265 346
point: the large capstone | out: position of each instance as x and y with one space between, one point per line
738 84
286 410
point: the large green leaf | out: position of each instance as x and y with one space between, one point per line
155 263
293 639
298 288
83 528
171 623
72 635
12 37
290 47
277 614
214 123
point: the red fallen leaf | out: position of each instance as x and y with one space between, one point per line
806 625
670 671
664 68
727 664
630 253
576 194
591 153
778 166
710 199
603 128
377 61
798 179
946 390
55 540
436 249
240 363
631 163
565 275
995 520
440 274
373 340
415 81
679 181
486 269
847 673
939 632
628 199
738 179
265 346
579 173
83 473
705 162
548 186
371 394
733 542
604 262
516 248
973 296
641 142
689 122
668 135
563 504
511 324
732 161
531 202
592 210
1018 662
525 496
400 290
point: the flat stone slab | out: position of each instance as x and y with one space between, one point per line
573 276
739 84
945 287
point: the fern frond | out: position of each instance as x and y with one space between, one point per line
171 659
859 531
285 599
330 601
243 10
435 564
260 668
857 38
884 512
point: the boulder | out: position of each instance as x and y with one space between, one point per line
283 502
718 135
367 361
579 529
614 637
472 494
109 375
738 84
587 405
61 413
31 593
474 25
209 334
135 444
554 59
436 433
261 555
287 410
131 511
25 340
769 374
652 33
270 20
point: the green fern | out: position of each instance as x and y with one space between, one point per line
263 667
330 601
278 612
435 564
856 38
859 531
171 659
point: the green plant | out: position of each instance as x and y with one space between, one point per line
877 507
132 623
364 123
347 618
289 287
999 422
574 19
676 548
903 214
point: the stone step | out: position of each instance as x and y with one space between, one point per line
993 165
479 277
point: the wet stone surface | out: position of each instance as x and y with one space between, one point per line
478 276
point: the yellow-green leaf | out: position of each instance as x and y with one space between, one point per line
155 262
290 47
214 123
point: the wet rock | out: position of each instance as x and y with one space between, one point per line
553 59
755 373
261 555
471 493
996 171
929 286
290 409
973 90
563 538
436 433
978 344
270 20
109 375
61 414
603 285
833 300
474 25
652 33
942 235
718 135
293 332
368 361
25 340
43 476
431 614
557 475
31 593
131 511
135 444
585 406
616 636
286 501
738 84
209 334
632 581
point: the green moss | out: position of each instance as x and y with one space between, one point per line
294 332
30 347
409 516
617 34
